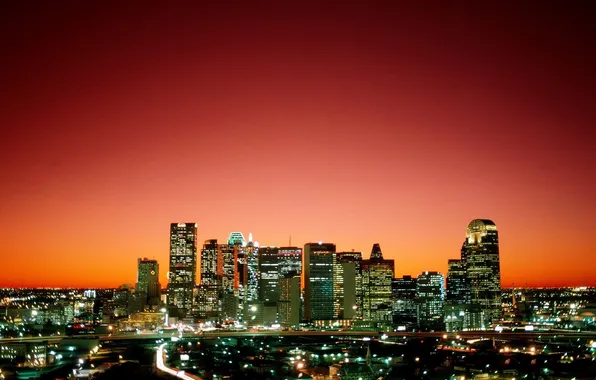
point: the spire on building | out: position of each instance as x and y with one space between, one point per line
376 253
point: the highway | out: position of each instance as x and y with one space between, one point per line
535 335
159 362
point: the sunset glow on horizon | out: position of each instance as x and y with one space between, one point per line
356 125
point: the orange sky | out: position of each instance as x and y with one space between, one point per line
351 125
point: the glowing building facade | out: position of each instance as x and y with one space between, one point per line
480 252
319 260
148 288
183 265
377 279
430 299
209 255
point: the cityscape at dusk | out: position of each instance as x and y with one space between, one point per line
297 190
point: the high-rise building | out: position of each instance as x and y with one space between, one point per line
457 283
269 269
209 255
319 260
377 279
404 301
274 265
430 297
226 268
480 252
183 265
289 300
252 268
148 288
348 285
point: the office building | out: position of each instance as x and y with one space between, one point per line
183 266
377 279
457 283
348 285
404 301
288 306
148 288
269 269
319 260
209 255
480 252
430 298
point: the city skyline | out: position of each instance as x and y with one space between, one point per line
391 124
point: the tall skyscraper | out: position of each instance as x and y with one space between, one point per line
252 267
480 252
430 297
319 259
183 265
289 300
404 301
457 283
148 287
209 255
226 268
377 279
269 269
348 285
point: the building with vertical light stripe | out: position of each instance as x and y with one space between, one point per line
319 260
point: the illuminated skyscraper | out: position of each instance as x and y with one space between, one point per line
430 297
148 287
319 260
404 301
457 283
209 255
377 279
251 284
269 269
348 285
480 252
225 276
183 265
289 300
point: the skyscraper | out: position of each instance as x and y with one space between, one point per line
430 297
480 252
183 265
457 283
148 287
209 255
319 259
269 269
377 278
289 300
404 301
348 285
226 268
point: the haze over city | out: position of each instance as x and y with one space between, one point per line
353 125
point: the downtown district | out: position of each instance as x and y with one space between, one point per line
245 287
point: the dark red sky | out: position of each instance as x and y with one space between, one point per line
350 124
